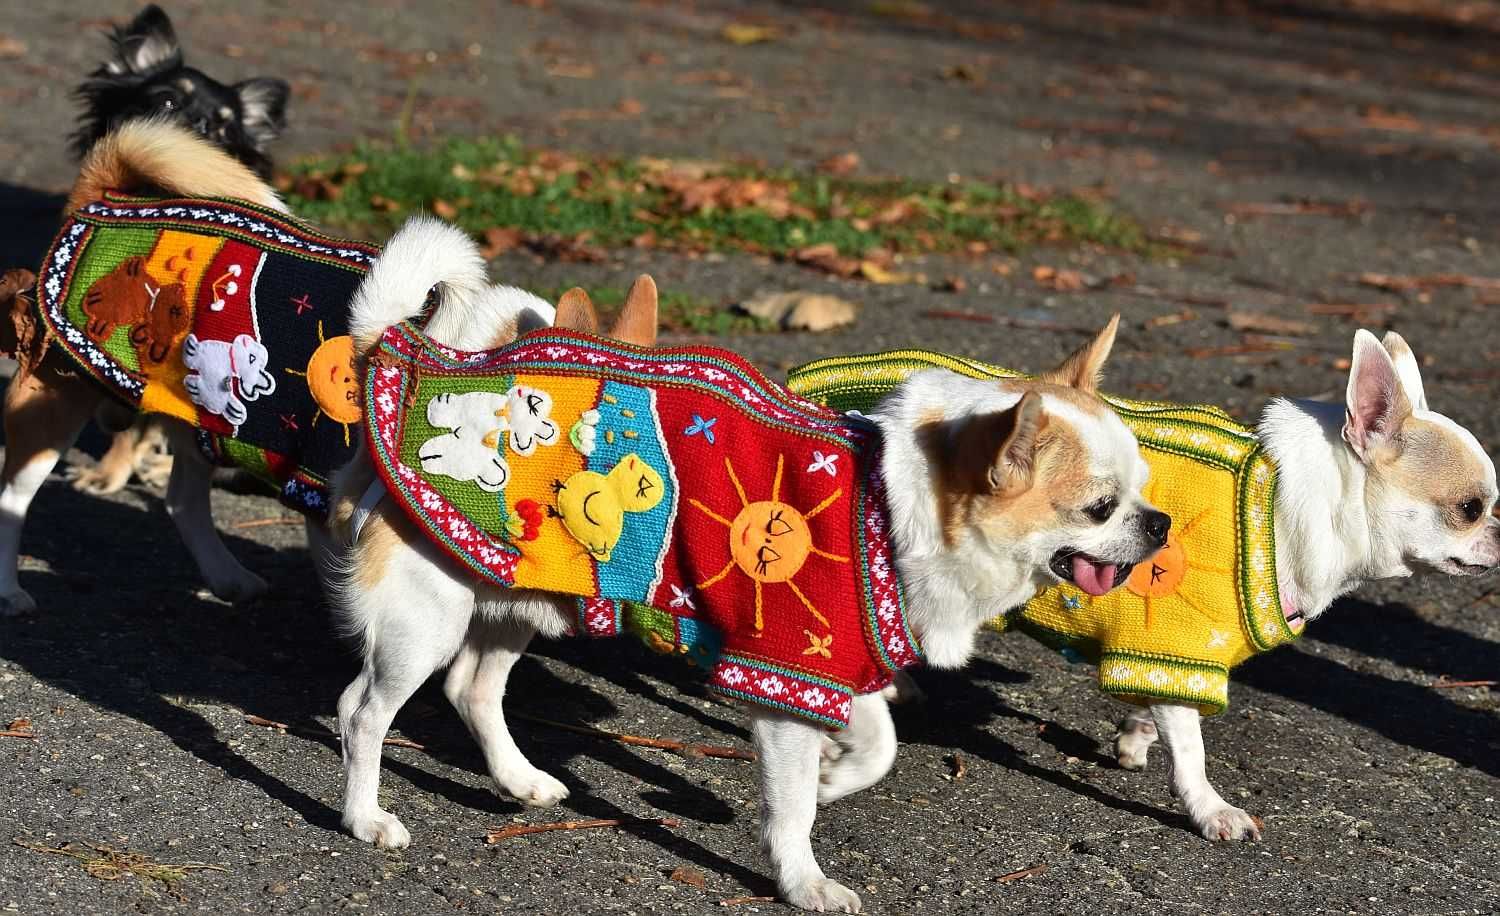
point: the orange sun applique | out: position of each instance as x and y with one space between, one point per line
1159 579
770 541
332 380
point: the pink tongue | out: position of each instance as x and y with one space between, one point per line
1095 578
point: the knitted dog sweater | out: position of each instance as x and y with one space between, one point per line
675 492
1206 602
229 316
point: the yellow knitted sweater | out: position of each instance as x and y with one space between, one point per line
1205 603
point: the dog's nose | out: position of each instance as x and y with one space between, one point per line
1156 525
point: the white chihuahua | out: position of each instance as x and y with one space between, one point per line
994 490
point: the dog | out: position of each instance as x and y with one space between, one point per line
958 496
1330 496
268 379
144 77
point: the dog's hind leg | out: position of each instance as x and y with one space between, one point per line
788 749
1187 774
44 412
1134 737
113 470
860 755
476 688
188 504
413 619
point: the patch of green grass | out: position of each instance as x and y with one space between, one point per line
682 313
483 183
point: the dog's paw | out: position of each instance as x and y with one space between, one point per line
830 753
1230 823
535 789
823 895
903 689
98 480
17 603
1132 742
155 469
382 828
241 587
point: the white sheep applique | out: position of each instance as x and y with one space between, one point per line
217 367
470 450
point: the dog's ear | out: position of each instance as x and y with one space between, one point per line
1376 403
1083 369
147 44
637 321
1012 470
1406 368
262 108
576 312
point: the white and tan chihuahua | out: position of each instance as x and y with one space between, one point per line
991 483
1373 488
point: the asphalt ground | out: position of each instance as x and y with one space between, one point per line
1295 150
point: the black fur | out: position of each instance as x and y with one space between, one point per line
145 77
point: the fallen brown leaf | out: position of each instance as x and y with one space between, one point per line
496 240
826 257
1062 280
444 209
801 311
1398 283
960 768
1023 873
11 47
689 876
20 723
842 164
743 33
1263 323
875 273
1162 321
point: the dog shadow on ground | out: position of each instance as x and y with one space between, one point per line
1410 714
30 218
135 635
959 716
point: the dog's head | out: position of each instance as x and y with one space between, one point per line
1041 475
145 77
1431 487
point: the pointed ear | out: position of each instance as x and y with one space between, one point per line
1376 403
148 43
576 312
637 321
1014 462
1406 369
262 108
1084 368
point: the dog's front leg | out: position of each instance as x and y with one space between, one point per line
188 505
789 749
860 755
1133 738
1187 773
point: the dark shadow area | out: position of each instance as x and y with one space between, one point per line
30 218
958 717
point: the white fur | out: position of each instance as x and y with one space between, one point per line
1337 527
418 612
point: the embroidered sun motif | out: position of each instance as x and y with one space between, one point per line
332 381
770 541
1159 580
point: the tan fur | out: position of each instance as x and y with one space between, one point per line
1436 467
638 319
155 155
1084 368
575 311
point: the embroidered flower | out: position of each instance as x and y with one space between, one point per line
682 598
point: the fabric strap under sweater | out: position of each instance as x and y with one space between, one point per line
677 493
1205 603
226 315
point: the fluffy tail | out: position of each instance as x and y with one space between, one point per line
428 256
154 155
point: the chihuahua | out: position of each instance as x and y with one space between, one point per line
663 489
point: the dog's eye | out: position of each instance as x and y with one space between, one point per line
1101 511
1471 509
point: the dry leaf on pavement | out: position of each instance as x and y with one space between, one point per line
801 311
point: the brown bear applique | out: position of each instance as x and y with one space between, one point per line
156 313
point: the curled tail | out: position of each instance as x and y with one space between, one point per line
427 255
159 156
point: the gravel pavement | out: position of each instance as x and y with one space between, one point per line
1294 151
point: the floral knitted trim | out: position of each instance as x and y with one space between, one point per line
756 681
895 644
1143 679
